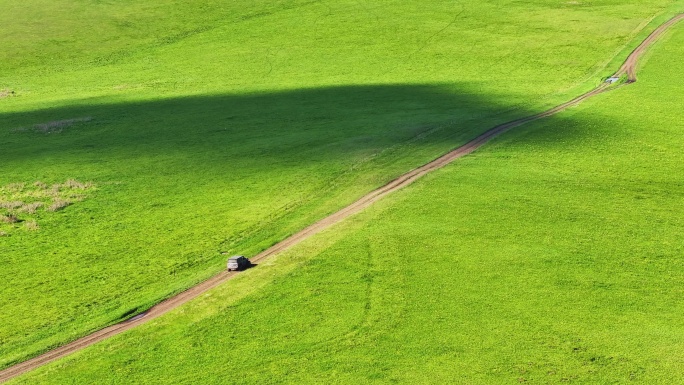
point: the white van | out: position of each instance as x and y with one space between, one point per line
238 262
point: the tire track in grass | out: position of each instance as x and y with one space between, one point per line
628 68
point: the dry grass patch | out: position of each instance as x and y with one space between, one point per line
13 205
6 93
15 187
31 225
58 205
74 184
28 203
8 218
31 208
55 126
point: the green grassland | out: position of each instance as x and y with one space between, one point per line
552 255
224 126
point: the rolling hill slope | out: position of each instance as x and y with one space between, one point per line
235 125
552 255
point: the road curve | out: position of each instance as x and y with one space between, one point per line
628 68
630 65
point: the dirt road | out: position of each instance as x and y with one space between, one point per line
630 65
628 68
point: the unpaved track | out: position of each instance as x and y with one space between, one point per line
163 307
632 61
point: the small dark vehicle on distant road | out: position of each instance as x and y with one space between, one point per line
238 262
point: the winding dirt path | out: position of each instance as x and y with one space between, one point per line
632 61
628 68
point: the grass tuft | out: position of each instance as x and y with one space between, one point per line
8 218
74 184
11 205
15 187
58 205
31 208
31 226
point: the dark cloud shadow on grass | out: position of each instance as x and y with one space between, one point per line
294 127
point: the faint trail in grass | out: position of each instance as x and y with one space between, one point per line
603 66
429 40
323 15
368 10
434 35
363 319
628 68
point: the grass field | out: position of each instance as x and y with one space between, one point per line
552 255
232 126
